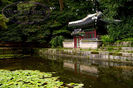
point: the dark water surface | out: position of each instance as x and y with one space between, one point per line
93 74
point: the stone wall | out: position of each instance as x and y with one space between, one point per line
84 44
68 44
94 55
90 44
124 43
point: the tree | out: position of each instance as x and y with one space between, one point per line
61 5
55 25
121 10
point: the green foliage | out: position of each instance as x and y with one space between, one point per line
106 39
57 23
122 30
3 21
4 2
25 6
128 39
118 9
57 41
60 41
54 42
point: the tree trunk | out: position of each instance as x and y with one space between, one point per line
61 5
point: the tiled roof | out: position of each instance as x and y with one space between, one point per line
87 20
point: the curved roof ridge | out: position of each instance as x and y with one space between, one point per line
88 19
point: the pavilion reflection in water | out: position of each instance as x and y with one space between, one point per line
80 68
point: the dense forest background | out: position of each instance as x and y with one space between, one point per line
55 28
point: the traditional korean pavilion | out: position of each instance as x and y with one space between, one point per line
86 35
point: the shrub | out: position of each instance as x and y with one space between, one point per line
60 41
121 30
107 39
3 21
57 41
54 42
128 39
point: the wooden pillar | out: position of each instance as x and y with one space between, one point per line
95 33
75 42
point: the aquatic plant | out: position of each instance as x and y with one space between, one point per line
30 79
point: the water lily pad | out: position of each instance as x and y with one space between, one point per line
30 79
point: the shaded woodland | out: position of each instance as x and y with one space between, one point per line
55 27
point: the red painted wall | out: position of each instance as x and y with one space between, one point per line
91 34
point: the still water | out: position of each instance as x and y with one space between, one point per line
91 73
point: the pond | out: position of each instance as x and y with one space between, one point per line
92 73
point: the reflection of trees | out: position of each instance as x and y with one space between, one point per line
42 64
115 78
108 77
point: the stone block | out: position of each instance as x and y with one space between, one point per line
127 54
127 48
68 44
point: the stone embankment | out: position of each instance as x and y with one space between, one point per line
125 54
